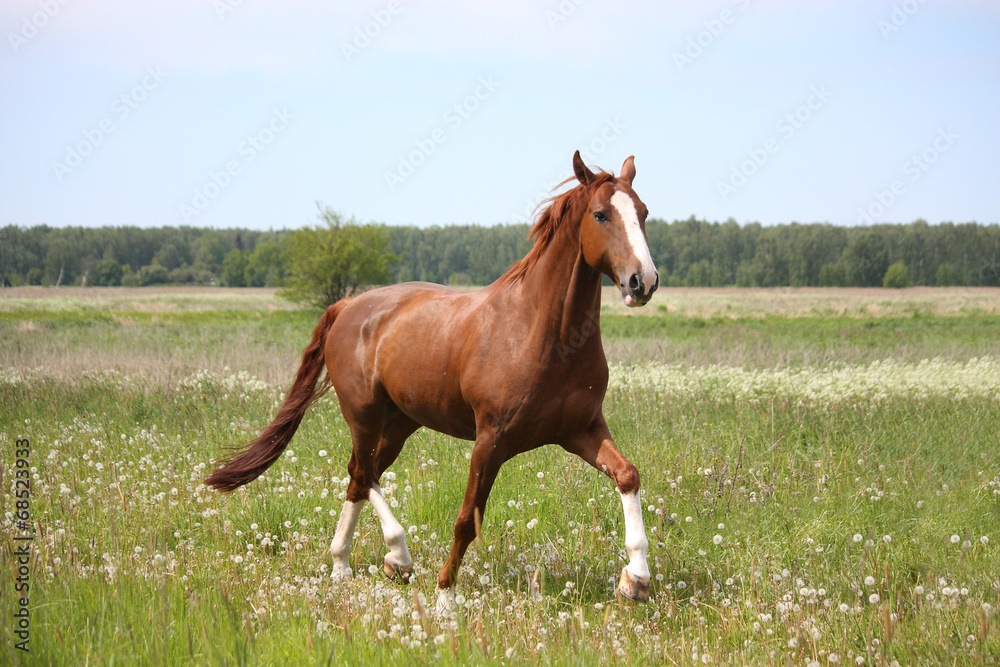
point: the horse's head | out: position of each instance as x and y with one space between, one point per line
613 232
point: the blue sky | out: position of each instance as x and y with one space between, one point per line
225 113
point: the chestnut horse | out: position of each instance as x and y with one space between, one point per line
512 366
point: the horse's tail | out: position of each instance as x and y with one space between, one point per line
260 454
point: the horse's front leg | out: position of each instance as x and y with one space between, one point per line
596 447
487 457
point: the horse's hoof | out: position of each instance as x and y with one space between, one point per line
633 588
340 574
445 605
397 572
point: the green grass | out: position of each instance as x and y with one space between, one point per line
136 562
167 346
762 342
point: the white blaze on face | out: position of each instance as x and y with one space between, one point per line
625 207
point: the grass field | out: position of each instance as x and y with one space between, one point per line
820 468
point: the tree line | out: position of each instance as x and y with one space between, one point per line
687 253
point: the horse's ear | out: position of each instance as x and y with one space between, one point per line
628 169
583 174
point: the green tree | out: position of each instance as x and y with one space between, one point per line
129 277
109 273
153 274
947 275
234 266
327 263
866 259
60 261
168 256
896 276
265 265
699 274
212 248
833 274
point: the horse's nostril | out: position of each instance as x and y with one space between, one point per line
633 282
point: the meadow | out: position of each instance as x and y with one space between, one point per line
820 472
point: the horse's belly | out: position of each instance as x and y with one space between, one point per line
422 381
429 402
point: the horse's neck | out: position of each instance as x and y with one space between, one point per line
562 293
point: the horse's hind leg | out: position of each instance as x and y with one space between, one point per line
362 474
340 547
397 564
374 449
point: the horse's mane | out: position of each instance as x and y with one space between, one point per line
548 223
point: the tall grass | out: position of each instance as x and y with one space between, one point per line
164 347
783 528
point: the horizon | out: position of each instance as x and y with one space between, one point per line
528 223
229 114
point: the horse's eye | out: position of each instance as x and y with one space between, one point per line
600 217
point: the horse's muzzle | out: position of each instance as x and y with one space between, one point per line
636 293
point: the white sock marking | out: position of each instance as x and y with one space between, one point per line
392 531
340 547
635 536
